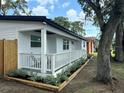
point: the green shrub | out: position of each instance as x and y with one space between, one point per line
89 56
19 73
62 77
50 80
82 60
36 78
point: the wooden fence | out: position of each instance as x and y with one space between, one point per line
1 57
8 56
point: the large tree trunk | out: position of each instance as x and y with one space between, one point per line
119 56
103 58
123 41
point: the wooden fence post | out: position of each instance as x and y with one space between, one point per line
1 58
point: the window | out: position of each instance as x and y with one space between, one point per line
65 44
83 43
35 41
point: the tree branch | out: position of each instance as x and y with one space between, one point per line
97 10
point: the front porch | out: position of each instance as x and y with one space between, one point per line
54 62
48 52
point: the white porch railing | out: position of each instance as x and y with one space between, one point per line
30 61
54 61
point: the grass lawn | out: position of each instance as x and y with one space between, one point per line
118 70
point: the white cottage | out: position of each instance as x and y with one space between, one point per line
43 45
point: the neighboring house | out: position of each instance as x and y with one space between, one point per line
90 44
43 45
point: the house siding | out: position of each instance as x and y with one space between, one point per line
9 29
25 43
76 45
51 43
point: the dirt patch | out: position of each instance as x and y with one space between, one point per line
83 83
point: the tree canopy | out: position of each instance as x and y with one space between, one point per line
76 26
17 7
97 10
63 21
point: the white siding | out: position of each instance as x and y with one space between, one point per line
51 43
9 29
73 44
25 43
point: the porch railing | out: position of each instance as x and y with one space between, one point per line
59 60
54 61
30 61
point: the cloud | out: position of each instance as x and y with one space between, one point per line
82 15
47 2
43 7
74 16
52 7
71 14
66 4
40 10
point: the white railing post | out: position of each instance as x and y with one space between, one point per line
53 64
19 61
43 50
70 57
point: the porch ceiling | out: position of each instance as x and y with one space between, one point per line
48 32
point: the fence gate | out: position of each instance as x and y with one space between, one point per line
8 56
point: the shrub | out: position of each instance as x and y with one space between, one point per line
36 78
82 60
50 80
62 77
19 73
89 56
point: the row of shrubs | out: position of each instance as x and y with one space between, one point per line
24 74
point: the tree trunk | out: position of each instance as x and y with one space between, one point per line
119 44
103 58
123 41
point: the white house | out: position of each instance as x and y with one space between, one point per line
43 45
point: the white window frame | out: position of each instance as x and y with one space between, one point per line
35 41
66 44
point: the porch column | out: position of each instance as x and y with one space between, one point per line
43 50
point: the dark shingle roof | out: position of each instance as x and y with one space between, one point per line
41 19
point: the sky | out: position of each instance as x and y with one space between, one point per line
66 8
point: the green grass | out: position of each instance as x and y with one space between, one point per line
118 69
112 53
94 54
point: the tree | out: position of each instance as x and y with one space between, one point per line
63 21
76 26
119 43
109 14
18 7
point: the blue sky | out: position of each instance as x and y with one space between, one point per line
67 8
